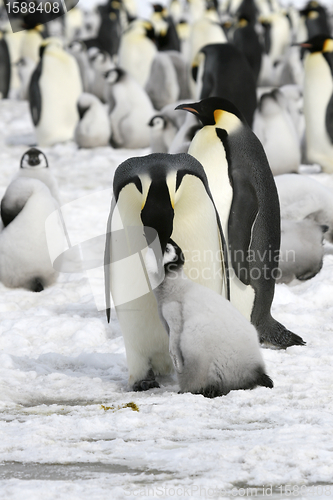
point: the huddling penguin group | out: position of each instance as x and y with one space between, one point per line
231 97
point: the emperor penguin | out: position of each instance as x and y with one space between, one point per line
214 349
93 129
162 85
24 254
130 110
302 250
170 194
302 197
246 199
137 50
221 72
318 101
55 87
5 68
276 130
34 164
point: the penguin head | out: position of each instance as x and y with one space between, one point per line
158 122
34 158
114 75
216 111
173 258
318 43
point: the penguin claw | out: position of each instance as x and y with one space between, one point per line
147 383
278 336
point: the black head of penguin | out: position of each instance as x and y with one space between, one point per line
34 158
173 258
318 43
206 109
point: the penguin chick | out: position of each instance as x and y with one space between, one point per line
93 129
302 251
213 347
302 197
130 110
276 131
24 255
34 164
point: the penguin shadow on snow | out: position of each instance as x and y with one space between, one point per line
214 349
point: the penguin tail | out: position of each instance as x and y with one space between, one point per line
265 381
37 285
276 335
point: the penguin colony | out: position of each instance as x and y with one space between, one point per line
231 98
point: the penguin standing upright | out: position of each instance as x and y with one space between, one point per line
4 68
93 129
246 199
213 347
130 110
54 90
318 101
170 194
222 71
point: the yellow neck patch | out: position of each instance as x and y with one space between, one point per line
328 45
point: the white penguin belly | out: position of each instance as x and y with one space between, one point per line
241 296
318 89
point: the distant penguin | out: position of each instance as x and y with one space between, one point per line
100 63
302 251
182 140
78 49
25 68
316 19
318 101
24 255
93 129
55 87
302 197
166 35
31 42
222 71
164 127
170 194
130 110
246 39
109 32
34 164
162 85
246 199
214 349
276 131
5 68
137 50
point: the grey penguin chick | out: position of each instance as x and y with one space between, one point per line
24 248
302 250
214 349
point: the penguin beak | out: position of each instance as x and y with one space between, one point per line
187 107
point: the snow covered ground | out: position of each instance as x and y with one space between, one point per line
69 427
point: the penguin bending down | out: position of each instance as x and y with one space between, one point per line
318 101
24 255
246 200
302 250
214 349
170 194
55 87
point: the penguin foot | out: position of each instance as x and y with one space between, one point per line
212 391
277 335
147 383
265 381
37 285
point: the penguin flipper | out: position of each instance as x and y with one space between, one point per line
35 98
243 212
107 258
172 314
329 119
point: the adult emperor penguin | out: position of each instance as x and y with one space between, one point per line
246 199
24 254
55 87
4 68
318 101
221 71
170 194
214 349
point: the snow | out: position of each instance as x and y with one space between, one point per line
67 430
